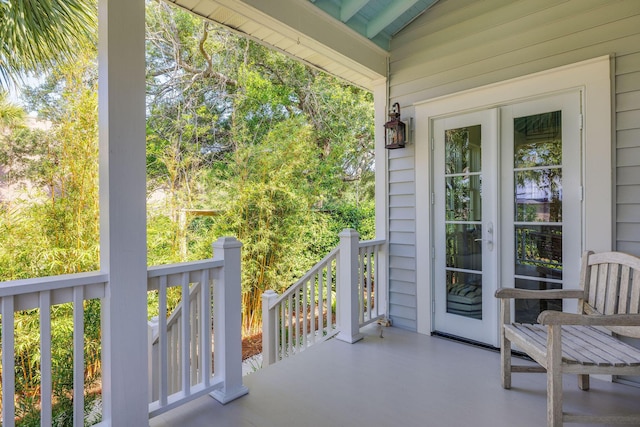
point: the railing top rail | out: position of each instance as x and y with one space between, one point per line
183 267
367 243
296 286
50 283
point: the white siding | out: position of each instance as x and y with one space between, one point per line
627 106
463 44
402 221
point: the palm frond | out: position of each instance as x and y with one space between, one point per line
36 34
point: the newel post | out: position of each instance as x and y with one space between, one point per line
227 328
268 328
347 293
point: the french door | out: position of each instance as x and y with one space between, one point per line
507 210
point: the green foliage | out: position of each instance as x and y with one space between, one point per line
10 115
279 153
37 35
54 230
269 193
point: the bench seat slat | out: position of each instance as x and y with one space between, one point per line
578 345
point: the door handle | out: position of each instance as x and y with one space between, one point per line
490 235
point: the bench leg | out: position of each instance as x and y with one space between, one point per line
554 377
505 361
583 382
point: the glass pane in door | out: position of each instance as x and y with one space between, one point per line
538 209
463 219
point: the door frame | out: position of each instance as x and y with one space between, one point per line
593 79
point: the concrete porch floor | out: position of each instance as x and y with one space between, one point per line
404 379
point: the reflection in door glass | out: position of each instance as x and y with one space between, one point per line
538 208
539 195
463 219
464 247
464 294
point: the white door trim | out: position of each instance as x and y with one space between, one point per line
592 77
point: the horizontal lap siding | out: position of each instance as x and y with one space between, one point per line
463 44
402 227
628 152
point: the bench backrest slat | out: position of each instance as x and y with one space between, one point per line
612 286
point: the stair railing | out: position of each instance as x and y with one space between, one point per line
181 345
343 292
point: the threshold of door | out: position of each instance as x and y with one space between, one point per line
464 340
479 344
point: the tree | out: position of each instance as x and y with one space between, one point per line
56 230
269 194
38 34
228 120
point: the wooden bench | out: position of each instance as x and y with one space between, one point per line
585 343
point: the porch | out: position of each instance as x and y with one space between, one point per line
403 379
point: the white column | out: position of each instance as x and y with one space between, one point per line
347 298
382 191
380 117
123 252
268 328
227 321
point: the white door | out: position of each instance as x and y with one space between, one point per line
504 179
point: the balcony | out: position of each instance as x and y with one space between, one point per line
403 379
342 293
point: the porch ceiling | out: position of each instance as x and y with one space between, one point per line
377 20
347 38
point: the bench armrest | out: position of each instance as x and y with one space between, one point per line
550 317
511 293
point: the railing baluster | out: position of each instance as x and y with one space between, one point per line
312 318
329 298
297 321
278 321
362 294
193 314
376 284
368 283
78 356
283 335
45 359
186 334
165 356
205 327
320 304
290 324
305 313
8 363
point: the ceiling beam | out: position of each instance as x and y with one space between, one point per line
350 8
390 14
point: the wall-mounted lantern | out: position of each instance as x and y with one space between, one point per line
395 130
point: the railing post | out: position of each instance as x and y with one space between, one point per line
227 321
347 293
268 328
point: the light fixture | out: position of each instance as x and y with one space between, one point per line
395 130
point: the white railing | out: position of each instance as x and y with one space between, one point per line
372 302
180 369
181 344
42 294
340 294
303 315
